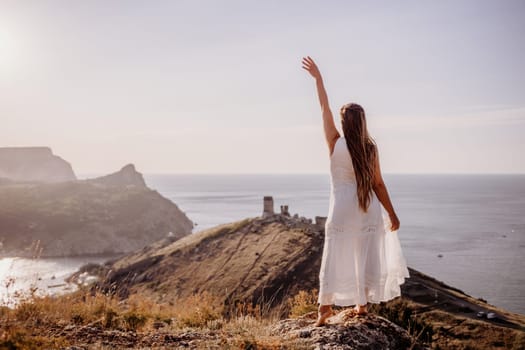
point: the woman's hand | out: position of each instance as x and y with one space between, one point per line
311 67
394 222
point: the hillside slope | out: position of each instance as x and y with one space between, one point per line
267 260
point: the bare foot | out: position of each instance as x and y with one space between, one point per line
325 311
349 313
361 310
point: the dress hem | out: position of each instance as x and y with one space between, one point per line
348 302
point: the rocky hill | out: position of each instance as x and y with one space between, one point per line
266 260
126 177
33 164
116 213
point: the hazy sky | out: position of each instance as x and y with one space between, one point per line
217 86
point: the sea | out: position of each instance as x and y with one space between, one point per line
465 230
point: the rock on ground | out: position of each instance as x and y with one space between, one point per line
345 332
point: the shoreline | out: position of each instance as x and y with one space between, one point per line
81 256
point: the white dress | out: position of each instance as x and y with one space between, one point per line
362 259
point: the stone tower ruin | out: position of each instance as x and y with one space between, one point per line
268 206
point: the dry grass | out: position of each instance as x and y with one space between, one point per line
303 303
37 322
23 326
19 337
198 310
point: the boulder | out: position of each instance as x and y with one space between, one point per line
345 333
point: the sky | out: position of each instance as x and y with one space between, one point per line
217 86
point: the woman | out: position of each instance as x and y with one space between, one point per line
362 260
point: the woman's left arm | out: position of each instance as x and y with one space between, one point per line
381 192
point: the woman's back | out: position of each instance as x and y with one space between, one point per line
344 214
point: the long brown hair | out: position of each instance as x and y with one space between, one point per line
362 148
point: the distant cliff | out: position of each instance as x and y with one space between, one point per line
33 164
116 213
127 176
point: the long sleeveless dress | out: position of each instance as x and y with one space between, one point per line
362 258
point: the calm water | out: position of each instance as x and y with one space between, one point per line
476 222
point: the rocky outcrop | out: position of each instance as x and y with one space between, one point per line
34 164
117 213
345 333
363 333
127 176
266 260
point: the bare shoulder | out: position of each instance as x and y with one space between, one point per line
332 142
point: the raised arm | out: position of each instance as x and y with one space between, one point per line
381 192
330 132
